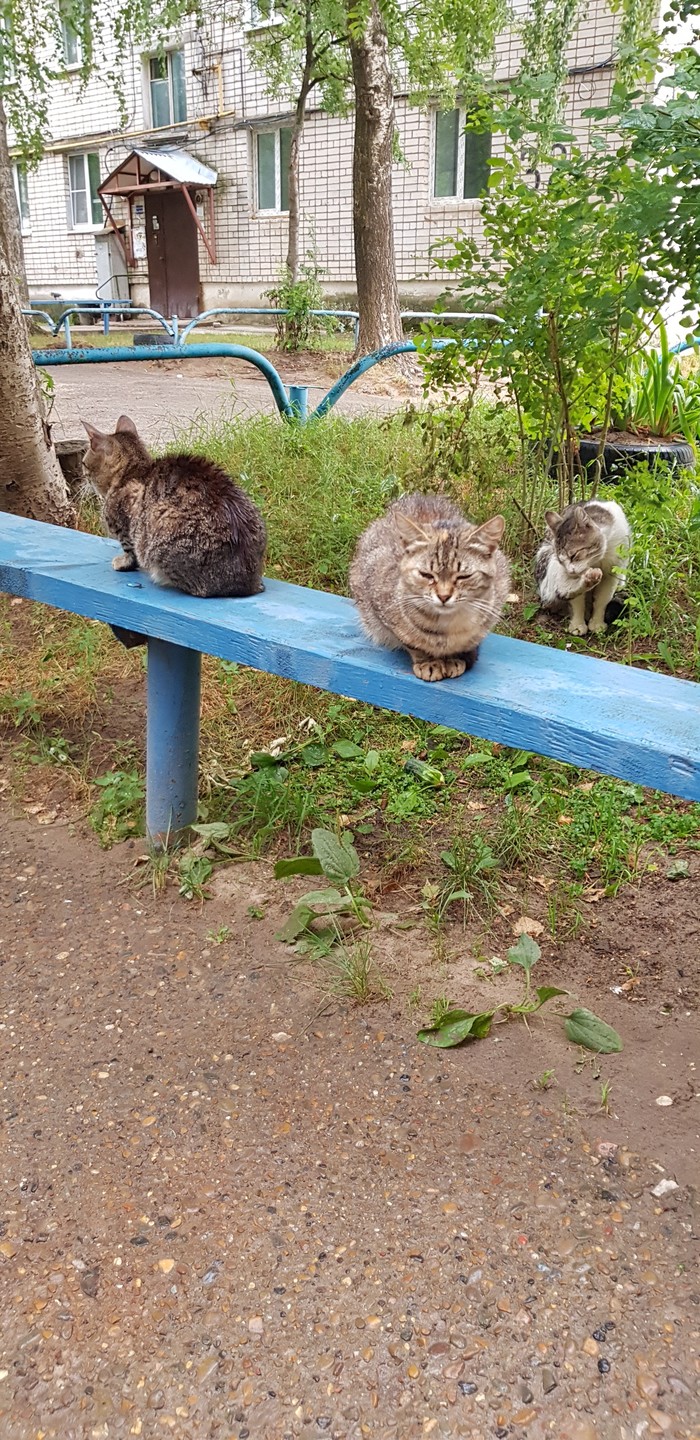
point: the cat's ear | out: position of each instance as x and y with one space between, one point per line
553 520
98 439
490 533
409 531
125 426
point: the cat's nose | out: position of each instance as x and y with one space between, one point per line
444 596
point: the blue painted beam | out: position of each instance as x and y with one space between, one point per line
615 719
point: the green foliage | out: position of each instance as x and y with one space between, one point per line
194 871
118 810
658 397
449 1027
300 328
31 52
577 266
313 925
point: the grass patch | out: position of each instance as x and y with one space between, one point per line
335 343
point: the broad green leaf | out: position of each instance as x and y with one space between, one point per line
303 865
480 757
678 870
456 1027
314 756
262 760
521 777
548 992
448 859
330 896
347 750
217 830
371 760
295 924
362 784
584 1028
526 953
339 859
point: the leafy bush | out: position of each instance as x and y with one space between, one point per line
300 327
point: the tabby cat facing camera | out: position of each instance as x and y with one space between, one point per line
427 581
582 562
181 519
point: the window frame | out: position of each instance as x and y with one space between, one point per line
167 56
92 226
67 30
253 19
19 175
278 208
462 134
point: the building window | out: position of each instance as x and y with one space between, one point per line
70 42
85 203
19 176
166 76
262 12
273 148
462 158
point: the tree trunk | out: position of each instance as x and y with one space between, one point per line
307 82
31 482
373 219
293 262
10 222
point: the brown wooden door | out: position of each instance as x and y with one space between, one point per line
173 256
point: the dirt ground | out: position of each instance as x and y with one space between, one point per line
234 1206
178 393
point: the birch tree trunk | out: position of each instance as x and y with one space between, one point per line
293 260
31 481
373 220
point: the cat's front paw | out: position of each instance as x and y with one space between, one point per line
592 577
124 562
446 669
578 627
596 626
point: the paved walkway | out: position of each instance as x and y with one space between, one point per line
229 1211
165 397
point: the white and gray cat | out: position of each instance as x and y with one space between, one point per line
427 581
582 561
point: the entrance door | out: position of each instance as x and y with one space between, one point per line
173 257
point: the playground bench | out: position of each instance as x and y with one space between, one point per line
615 719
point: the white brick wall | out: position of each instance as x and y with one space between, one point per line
251 246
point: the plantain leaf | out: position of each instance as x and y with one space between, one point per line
456 1027
584 1028
526 953
548 992
303 865
338 857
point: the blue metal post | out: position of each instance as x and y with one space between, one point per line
172 739
299 401
105 320
66 331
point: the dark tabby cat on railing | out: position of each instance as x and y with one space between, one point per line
181 518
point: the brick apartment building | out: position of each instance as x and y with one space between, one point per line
198 185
